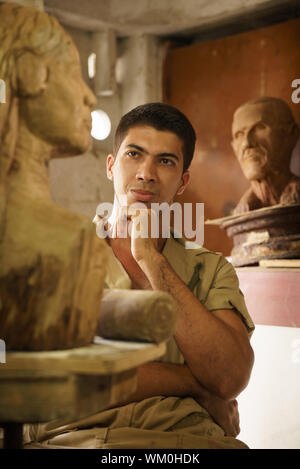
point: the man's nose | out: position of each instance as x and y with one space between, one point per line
147 171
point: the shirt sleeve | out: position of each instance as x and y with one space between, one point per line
226 294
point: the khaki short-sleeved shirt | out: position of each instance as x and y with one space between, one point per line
208 275
160 421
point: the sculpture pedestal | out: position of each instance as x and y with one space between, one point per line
266 233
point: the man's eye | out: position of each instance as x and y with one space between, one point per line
132 153
167 161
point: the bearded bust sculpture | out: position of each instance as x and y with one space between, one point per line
264 134
51 261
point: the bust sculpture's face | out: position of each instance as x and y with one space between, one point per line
61 114
259 143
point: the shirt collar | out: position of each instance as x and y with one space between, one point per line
182 255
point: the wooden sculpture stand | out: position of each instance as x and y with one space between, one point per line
43 386
74 383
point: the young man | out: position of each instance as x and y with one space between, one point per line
184 399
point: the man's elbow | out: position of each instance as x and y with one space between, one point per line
235 382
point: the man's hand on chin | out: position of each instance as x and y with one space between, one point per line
138 224
144 247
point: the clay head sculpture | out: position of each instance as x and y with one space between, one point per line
264 134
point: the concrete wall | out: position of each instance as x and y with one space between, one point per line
80 183
158 17
38 4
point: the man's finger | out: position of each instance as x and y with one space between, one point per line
122 223
139 222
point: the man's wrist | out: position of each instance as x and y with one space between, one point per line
153 258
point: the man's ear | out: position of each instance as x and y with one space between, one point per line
185 180
109 164
32 75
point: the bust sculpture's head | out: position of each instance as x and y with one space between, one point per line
45 91
264 134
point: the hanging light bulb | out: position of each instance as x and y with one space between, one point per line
92 65
101 125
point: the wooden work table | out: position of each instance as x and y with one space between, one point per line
43 386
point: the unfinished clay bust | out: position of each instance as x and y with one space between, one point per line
264 134
51 262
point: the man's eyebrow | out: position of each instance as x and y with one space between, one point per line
137 147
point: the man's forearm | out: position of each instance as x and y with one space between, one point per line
166 379
212 349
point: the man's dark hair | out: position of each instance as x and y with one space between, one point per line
163 117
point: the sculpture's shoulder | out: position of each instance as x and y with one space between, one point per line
248 201
37 228
291 193
52 273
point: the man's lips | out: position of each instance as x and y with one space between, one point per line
140 194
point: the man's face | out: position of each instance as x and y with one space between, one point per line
61 115
257 141
148 167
